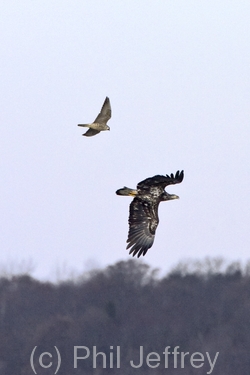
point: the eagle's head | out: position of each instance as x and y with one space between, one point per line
167 197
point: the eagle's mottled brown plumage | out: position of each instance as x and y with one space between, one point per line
143 211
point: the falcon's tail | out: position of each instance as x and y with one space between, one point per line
126 191
84 125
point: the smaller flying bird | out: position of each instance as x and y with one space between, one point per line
143 210
100 122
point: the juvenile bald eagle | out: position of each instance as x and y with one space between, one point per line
143 211
100 122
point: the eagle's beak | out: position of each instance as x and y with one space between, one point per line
173 196
169 197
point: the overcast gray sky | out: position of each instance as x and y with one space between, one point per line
178 77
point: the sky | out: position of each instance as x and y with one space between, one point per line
178 77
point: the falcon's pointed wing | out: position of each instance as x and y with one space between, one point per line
162 181
90 132
105 113
143 221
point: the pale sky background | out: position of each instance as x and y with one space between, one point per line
178 77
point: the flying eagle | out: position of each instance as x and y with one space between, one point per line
143 211
100 122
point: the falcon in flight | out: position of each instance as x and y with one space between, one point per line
143 211
100 122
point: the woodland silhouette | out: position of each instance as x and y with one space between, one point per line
200 308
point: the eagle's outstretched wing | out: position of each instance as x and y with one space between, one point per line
162 181
105 113
143 221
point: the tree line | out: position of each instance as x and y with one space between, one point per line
124 319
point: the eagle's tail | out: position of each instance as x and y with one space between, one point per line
84 125
126 191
